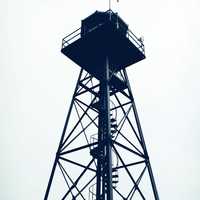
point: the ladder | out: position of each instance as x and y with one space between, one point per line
115 161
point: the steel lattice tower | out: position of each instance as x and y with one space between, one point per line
102 153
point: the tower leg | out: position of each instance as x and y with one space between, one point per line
155 192
61 140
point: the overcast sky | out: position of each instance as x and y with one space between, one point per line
37 82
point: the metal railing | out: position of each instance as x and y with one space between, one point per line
136 41
72 37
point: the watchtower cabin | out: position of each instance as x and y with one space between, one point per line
104 34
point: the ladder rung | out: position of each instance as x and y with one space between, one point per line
113 120
115 181
113 125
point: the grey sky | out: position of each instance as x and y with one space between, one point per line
37 82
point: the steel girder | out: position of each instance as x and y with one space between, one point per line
102 154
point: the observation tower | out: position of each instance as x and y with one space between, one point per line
102 153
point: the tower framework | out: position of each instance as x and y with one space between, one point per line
102 153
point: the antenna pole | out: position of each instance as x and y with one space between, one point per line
109 4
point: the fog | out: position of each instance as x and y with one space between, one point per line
37 83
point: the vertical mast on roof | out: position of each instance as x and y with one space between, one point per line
110 4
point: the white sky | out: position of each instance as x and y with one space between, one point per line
37 82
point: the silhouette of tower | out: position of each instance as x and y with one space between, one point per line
102 153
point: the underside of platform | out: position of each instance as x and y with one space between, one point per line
90 51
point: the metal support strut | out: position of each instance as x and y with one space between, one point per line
104 160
